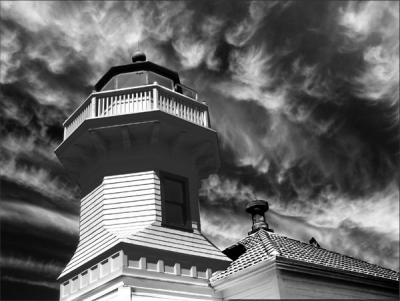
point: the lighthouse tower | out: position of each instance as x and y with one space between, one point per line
138 147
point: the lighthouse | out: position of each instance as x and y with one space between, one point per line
138 147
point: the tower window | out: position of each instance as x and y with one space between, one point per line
135 79
175 209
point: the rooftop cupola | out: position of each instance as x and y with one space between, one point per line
138 147
257 210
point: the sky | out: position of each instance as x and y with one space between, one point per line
304 96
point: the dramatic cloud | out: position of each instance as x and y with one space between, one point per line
304 97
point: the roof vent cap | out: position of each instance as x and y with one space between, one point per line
138 56
257 209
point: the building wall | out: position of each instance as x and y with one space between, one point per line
267 280
119 163
256 282
294 285
123 277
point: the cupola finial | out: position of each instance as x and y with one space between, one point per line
138 56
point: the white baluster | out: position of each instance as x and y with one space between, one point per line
155 97
118 105
150 101
98 107
93 107
128 103
205 115
175 107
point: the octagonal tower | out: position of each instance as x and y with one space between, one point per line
138 147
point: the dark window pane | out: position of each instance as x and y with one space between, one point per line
174 214
110 85
174 191
132 79
175 202
161 80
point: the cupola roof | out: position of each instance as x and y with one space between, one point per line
137 65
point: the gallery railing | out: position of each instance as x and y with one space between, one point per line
136 100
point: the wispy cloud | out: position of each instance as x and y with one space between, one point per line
241 32
375 25
49 284
31 265
37 217
39 180
304 98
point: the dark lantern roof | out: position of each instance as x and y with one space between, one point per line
137 66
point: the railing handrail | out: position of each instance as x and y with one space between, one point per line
129 89
192 100
187 88
78 109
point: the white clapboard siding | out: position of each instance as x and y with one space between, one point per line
93 238
119 206
127 208
142 192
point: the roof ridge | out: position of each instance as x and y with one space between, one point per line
274 250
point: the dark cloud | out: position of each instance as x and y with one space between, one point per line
304 98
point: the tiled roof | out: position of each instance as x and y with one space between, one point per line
263 245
